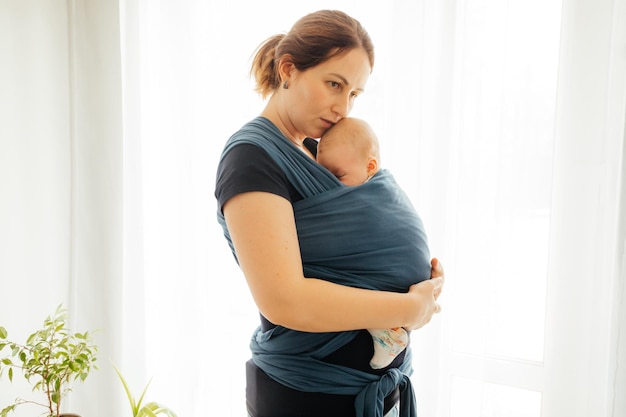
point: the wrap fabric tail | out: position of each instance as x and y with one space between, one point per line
368 236
293 359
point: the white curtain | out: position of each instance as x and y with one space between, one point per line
503 120
61 199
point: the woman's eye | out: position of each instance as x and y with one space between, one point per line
334 84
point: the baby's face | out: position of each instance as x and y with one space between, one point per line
343 162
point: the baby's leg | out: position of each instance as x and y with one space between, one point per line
388 343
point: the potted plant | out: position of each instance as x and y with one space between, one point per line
151 409
50 359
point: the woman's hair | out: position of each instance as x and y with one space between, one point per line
312 40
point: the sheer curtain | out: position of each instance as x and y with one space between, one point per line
505 123
61 205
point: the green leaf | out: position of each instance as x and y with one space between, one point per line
146 412
143 394
51 358
154 409
5 411
131 399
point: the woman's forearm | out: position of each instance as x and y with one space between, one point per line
321 306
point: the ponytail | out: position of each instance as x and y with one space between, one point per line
264 68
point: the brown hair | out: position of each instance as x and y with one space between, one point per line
312 40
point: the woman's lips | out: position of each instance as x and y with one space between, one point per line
327 124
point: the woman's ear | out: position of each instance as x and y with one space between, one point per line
285 69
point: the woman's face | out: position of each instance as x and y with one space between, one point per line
322 95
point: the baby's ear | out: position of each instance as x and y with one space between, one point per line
372 166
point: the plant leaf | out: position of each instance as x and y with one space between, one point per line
3 333
5 411
131 399
143 394
146 412
154 409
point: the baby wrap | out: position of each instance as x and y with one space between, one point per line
366 236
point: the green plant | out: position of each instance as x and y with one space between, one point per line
50 359
151 409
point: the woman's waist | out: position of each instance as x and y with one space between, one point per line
355 354
358 353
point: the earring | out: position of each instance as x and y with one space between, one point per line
285 85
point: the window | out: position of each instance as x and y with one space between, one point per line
470 102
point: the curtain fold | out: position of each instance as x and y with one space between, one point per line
35 172
589 155
61 187
96 250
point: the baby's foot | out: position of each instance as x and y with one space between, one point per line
388 343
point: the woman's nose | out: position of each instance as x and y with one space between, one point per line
342 107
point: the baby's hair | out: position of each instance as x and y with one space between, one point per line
312 40
356 131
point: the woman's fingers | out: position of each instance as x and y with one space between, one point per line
437 283
436 269
427 293
437 287
437 278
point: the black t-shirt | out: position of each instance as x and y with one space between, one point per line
247 168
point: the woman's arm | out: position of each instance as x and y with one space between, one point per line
263 231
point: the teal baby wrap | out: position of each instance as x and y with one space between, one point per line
366 236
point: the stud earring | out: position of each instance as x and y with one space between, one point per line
285 85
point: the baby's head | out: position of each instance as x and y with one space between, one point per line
350 151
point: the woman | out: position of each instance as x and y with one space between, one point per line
310 356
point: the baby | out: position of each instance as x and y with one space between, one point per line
350 151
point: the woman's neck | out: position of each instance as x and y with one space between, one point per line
282 124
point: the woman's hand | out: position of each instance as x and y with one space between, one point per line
426 294
436 271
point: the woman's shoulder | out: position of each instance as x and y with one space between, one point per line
248 167
259 127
